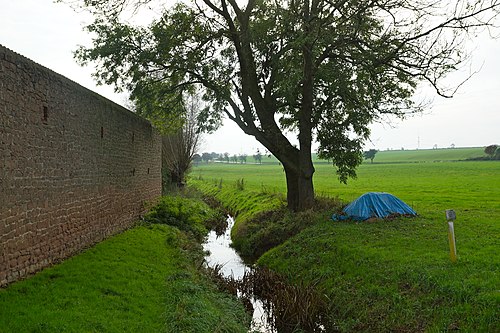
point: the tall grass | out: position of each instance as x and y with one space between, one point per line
289 308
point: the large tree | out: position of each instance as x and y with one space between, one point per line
323 69
490 150
370 154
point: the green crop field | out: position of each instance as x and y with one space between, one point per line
421 182
405 156
428 155
390 275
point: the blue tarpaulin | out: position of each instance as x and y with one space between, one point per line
374 204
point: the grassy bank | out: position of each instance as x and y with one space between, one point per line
397 276
244 204
392 275
143 280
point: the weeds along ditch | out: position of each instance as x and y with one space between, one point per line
275 304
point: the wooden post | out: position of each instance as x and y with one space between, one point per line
451 216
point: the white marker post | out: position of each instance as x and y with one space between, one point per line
451 216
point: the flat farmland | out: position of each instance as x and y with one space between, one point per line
426 185
471 188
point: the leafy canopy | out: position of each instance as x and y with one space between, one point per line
370 154
324 69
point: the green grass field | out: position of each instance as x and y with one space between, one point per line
383 276
427 155
392 275
406 156
142 280
443 185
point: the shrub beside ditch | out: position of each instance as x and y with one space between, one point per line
189 215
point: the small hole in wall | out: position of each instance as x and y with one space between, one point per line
148 171
102 132
133 172
133 136
45 115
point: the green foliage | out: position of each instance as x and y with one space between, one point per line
167 185
345 153
490 150
370 154
139 281
493 152
240 184
188 215
258 157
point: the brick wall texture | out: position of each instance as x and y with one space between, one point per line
75 167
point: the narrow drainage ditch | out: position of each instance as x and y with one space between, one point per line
231 266
276 305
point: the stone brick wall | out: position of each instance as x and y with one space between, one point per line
75 167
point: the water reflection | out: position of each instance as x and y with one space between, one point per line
221 253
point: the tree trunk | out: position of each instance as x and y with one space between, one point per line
300 189
292 188
305 165
306 190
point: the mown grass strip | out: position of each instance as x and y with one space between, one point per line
139 281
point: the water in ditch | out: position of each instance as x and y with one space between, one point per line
221 253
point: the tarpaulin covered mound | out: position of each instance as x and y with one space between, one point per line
374 204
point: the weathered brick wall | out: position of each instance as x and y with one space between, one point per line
75 167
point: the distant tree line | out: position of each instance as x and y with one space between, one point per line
492 154
227 158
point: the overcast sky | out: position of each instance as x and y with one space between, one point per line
48 33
